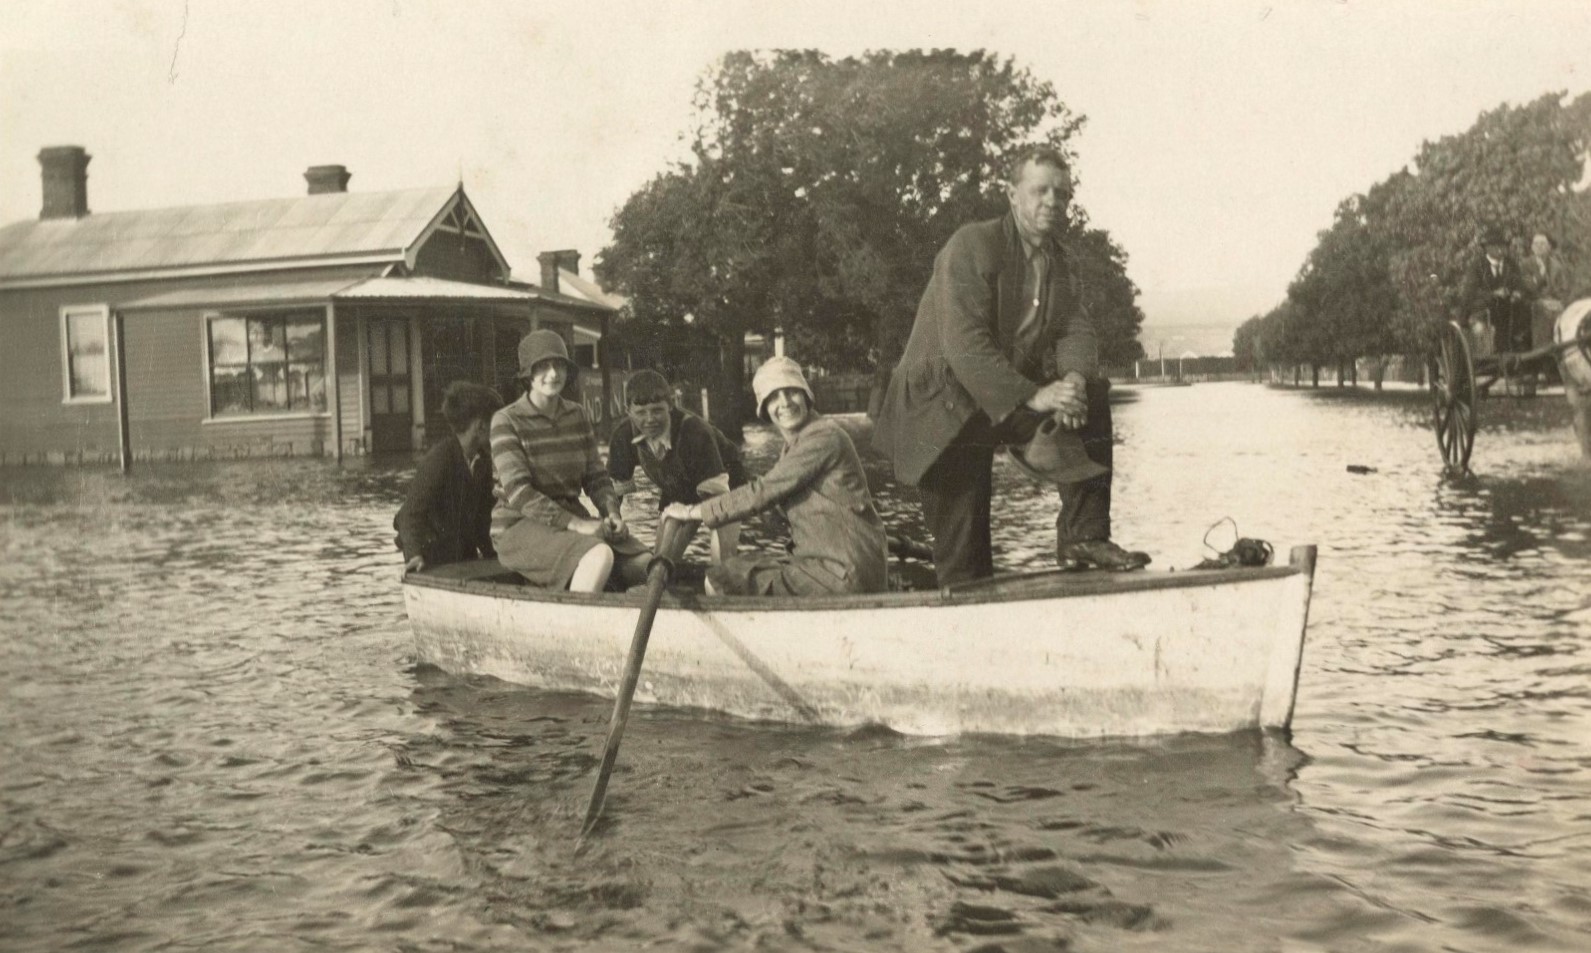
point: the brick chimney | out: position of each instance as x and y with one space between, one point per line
327 178
551 261
65 170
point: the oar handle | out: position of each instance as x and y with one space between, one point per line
672 537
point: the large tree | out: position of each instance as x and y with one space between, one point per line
1518 168
1247 344
819 191
1391 266
1344 294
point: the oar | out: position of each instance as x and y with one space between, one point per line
672 538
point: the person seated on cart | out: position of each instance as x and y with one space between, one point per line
446 516
1546 279
1494 289
685 457
838 536
546 453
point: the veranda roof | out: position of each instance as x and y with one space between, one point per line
413 288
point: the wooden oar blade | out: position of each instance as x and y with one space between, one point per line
656 583
673 536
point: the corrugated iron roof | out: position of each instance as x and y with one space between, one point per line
590 290
330 226
345 288
425 286
555 297
307 290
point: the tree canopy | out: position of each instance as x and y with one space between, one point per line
1391 265
819 191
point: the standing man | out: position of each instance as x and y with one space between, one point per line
1001 342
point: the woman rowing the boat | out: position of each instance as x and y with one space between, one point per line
839 542
545 453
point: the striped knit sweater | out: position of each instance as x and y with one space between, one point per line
543 459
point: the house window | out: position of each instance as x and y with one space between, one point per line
267 364
85 354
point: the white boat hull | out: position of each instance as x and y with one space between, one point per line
1047 654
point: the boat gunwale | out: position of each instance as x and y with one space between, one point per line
1043 585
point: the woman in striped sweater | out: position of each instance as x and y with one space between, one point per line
545 453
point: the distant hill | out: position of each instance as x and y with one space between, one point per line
1200 340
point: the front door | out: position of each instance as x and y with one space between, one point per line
391 417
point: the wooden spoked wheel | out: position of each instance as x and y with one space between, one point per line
1453 398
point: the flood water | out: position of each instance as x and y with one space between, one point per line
213 734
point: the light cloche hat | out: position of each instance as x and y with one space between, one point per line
775 374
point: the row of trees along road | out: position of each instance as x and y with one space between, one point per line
1390 268
815 197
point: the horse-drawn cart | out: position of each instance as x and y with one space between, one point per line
1459 375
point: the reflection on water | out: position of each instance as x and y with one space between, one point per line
215 737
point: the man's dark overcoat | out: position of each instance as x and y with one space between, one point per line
1480 283
959 359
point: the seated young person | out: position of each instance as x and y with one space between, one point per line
819 482
447 515
687 458
545 453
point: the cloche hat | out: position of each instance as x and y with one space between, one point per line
542 345
776 374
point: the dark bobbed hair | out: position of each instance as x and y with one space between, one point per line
465 402
647 387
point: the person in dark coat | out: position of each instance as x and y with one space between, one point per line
1000 343
1493 285
685 457
837 535
447 515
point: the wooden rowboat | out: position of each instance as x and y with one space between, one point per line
1044 653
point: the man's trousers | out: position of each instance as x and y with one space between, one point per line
958 488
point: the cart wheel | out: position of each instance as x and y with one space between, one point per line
1453 398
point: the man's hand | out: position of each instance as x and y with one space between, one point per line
1067 398
414 565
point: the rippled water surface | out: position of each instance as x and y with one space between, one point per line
213 734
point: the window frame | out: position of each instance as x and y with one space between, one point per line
102 311
278 312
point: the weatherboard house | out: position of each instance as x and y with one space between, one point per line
326 325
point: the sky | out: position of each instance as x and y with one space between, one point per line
1220 135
